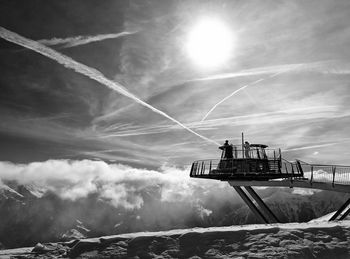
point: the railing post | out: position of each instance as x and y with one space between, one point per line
202 167
279 161
242 145
210 167
299 168
312 175
333 170
279 164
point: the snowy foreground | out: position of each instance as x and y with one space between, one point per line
294 240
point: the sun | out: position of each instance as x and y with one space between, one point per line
210 43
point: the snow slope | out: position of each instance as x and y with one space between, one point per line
292 240
31 214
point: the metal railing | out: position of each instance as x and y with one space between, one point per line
239 165
335 174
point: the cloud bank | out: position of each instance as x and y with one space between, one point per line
121 185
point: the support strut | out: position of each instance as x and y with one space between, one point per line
341 209
250 204
262 205
345 214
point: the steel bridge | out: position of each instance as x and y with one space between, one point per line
262 167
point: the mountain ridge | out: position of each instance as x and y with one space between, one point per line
292 240
29 218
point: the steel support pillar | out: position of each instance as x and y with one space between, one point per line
262 205
250 204
341 209
345 214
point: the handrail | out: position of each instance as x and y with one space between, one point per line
324 164
334 174
306 163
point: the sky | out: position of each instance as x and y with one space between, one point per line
114 80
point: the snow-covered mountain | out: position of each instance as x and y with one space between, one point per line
31 214
322 240
289 205
7 193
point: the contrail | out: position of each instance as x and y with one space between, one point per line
280 116
318 66
87 71
82 40
311 147
240 89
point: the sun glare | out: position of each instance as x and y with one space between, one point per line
210 43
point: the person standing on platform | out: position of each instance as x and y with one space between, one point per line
228 150
226 156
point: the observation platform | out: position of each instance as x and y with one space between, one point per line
250 165
257 163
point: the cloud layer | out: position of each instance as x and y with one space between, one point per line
121 185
